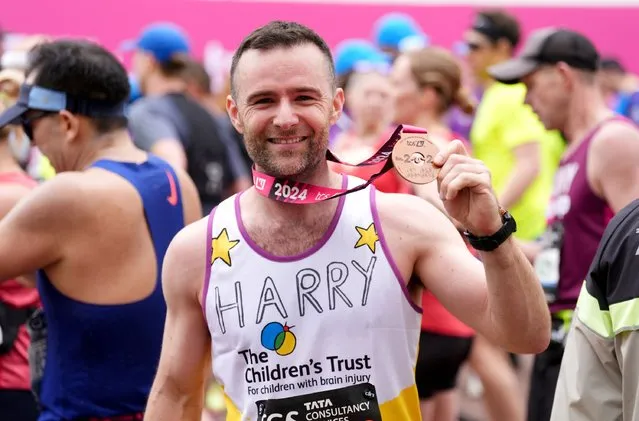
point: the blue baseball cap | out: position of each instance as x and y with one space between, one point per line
392 28
162 40
350 53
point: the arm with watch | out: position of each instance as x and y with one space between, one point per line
500 297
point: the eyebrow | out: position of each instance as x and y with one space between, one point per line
298 90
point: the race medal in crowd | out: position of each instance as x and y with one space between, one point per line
413 158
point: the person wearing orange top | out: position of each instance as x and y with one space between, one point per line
427 83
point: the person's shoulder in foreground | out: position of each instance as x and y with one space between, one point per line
602 348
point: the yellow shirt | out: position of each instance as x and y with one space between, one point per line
502 123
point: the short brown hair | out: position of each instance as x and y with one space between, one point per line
196 73
437 68
281 34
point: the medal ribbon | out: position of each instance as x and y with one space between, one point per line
289 191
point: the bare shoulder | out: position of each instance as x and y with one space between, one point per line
62 198
412 224
615 139
185 261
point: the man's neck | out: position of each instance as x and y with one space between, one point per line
116 146
320 176
587 110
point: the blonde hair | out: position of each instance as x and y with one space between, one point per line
5 102
437 68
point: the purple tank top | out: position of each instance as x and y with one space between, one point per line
577 218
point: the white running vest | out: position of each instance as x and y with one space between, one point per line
327 335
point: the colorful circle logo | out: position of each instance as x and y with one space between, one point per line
278 338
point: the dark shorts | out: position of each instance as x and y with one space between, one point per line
438 362
543 379
18 405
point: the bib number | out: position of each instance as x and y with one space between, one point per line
352 403
547 269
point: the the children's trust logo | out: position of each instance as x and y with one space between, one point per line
279 338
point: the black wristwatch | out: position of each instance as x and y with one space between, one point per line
491 242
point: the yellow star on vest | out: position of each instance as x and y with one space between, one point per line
221 248
367 237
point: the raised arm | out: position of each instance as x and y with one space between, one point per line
178 389
502 299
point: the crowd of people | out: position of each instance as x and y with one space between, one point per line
151 268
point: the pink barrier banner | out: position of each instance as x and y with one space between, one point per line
216 26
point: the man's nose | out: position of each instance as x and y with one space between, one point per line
286 116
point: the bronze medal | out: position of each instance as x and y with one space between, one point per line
413 158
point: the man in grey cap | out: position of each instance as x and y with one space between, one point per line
597 177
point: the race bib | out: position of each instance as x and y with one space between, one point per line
352 403
547 269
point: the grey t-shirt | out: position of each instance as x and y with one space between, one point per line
156 118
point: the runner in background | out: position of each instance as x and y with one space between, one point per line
29 157
620 88
346 56
596 178
17 301
172 125
96 234
198 85
522 157
427 83
397 33
370 100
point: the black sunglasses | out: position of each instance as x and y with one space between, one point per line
27 121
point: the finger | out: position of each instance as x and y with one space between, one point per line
462 163
465 181
456 171
456 147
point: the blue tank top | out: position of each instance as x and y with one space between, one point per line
101 359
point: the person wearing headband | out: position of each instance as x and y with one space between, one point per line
302 294
95 236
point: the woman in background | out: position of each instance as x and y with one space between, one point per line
370 100
17 302
427 84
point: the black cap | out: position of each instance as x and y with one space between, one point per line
548 46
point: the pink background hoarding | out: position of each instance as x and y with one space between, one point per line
112 21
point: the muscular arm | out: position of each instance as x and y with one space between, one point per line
502 299
178 389
30 234
526 169
613 167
